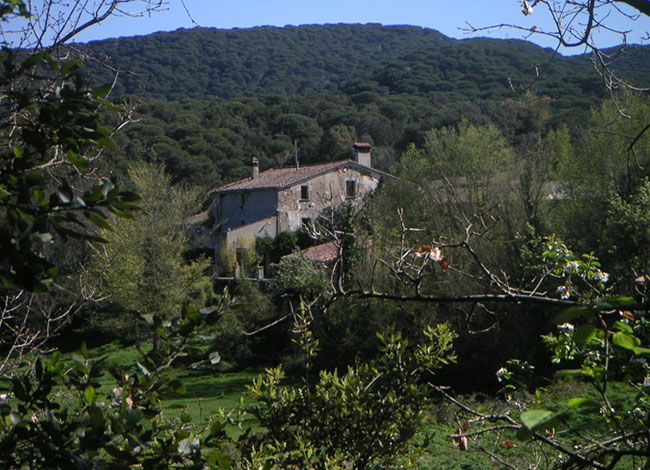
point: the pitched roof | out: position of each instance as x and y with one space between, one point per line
323 253
279 177
282 177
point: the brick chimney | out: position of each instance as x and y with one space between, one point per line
256 168
362 154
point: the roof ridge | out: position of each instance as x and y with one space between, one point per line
280 178
260 182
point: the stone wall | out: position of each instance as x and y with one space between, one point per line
259 229
241 208
328 190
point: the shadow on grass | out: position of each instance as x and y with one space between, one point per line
215 385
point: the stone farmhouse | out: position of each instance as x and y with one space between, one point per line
284 199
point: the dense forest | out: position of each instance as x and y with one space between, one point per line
382 84
213 64
491 301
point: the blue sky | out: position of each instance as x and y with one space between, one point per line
448 17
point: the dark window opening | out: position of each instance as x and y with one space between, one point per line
306 222
304 193
351 188
240 256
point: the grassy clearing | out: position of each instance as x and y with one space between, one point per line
207 393
207 390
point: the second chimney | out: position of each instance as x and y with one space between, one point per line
362 154
256 168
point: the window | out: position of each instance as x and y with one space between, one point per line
304 193
351 188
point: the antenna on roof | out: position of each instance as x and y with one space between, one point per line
295 152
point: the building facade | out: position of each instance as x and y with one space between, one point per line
285 199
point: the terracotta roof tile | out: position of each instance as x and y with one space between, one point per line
322 253
281 177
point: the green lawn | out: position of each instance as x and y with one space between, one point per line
209 390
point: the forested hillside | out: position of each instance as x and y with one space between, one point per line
214 98
213 63
220 64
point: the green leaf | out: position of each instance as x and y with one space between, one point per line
539 420
215 358
96 417
192 312
143 369
89 395
77 160
19 389
626 340
33 60
129 196
14 418
641 351
126 206
99 220
584 334
616 302
120 454
105 142
620 326
177 386
35 178
570 314
103 90
572 373
583 403
119 213
70 66
81 235
224 461
108 105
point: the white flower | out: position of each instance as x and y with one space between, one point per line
564 291
566 326
501 373
571 267
601 276
526 9
593 355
